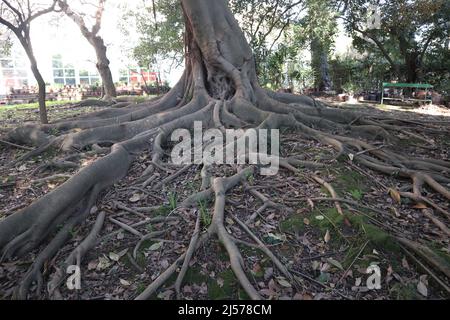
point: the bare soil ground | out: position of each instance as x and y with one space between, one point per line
329 256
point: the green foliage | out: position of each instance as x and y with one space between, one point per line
412 35
34 105
356 194
163 210
265 24
5 43
353 73
160 30
293 224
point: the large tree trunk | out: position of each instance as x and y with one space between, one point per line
218 50
109 89
219 88
412 68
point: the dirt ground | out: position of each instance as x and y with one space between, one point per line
329 255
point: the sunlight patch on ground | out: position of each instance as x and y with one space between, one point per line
432 110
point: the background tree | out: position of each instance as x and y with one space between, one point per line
266 25
160 26
92 36
17 16
409 31
320 27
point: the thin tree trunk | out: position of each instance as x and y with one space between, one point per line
102 65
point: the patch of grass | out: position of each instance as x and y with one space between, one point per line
376 235
293 224
349 180
194 276
163 210
149 227
437 249
193 185
140 288
73 232
141 99
331 218
242 295
173 200
226 290
229 289
250 178
34 105
140 258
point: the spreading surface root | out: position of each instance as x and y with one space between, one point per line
44 227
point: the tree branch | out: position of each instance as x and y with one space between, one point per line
41 12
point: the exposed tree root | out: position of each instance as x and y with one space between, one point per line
189 253
75 257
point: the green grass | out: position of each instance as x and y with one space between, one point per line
293 224
349 180
139 99
34 105
173 200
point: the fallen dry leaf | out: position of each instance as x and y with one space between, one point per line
327 236
395 195
135 198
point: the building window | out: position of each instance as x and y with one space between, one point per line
137 76
88 77
58 73
71 81
63 73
